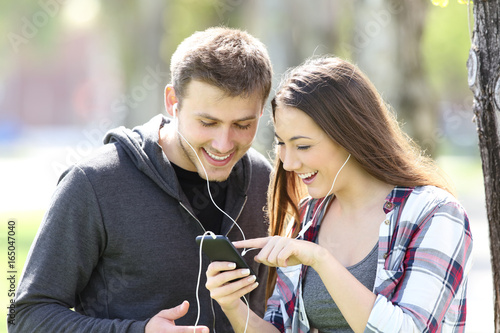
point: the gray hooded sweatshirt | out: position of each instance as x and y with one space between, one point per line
117 244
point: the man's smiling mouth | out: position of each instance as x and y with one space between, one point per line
215 157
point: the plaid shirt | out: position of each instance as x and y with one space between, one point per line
424 258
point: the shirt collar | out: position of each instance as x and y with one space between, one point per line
397 196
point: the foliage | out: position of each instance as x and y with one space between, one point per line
445 47
444 3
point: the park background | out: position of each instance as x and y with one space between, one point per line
72 69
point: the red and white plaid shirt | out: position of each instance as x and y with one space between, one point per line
424 258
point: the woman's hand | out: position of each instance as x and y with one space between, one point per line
283 251
227 284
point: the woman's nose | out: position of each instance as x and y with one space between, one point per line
290 161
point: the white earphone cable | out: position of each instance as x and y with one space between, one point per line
199 279
308 225
208 182
208 232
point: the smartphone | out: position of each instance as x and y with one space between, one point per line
221 249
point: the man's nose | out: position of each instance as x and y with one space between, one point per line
223 142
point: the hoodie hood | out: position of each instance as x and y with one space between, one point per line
142 146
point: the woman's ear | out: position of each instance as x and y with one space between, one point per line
170 100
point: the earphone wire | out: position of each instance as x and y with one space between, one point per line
199 280
208 232
208 185
308 225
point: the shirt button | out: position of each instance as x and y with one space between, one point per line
387 222
386 255
388 205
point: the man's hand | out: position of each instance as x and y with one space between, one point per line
163 322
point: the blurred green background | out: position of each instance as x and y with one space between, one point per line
73 69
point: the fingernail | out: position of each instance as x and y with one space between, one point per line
245 272
232 265
252 278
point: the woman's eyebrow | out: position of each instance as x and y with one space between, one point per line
293 137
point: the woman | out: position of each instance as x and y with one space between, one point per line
379 245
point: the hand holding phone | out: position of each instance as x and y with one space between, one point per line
221 249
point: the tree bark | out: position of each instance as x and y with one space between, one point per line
484 80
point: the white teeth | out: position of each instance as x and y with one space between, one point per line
218 158
306 175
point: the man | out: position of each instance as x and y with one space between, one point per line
117 244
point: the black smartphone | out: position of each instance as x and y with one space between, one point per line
220 248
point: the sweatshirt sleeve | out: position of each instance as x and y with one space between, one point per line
60 263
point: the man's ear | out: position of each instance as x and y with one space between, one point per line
170 99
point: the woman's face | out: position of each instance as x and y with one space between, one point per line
304 148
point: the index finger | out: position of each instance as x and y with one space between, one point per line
258 243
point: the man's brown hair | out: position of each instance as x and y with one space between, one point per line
229 59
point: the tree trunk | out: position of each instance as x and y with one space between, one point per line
484 80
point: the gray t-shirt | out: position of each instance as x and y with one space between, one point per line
321 310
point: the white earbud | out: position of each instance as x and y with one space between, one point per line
175 110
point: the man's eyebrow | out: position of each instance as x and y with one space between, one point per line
293 137
210 117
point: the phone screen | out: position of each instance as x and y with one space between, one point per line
221 249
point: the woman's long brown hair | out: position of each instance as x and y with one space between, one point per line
348 108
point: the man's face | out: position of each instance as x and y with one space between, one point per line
220 129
